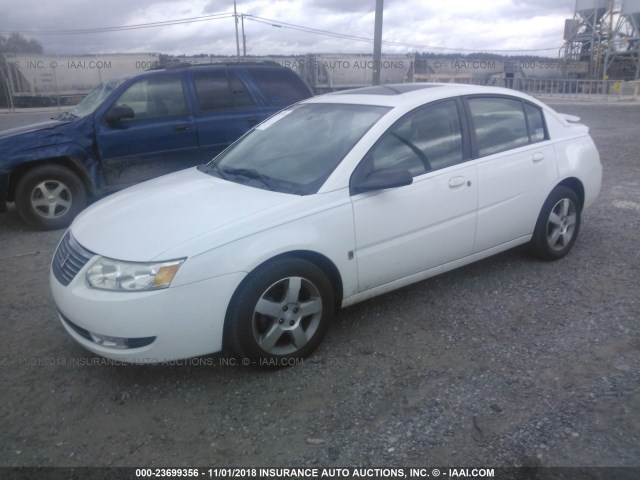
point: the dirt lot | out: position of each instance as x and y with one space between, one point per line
506 362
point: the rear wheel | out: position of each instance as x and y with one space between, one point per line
280 312
557 226
50 196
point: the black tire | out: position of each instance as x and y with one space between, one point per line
558 225
50 196
280 313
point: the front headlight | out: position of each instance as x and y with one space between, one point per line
109 274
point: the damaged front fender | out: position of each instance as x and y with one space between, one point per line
69 143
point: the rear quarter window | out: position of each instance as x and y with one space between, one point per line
279 86
535 118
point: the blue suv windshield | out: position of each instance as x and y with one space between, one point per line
94 98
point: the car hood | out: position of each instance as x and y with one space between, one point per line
30 128
144 222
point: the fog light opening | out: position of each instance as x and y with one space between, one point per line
111 342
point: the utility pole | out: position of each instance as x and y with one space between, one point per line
377 42
244 38
235 17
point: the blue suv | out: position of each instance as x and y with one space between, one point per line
133 129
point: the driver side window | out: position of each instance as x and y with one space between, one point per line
427 139
155 97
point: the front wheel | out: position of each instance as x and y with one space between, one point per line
280 312
558 225
50 196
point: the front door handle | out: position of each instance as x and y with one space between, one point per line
181 128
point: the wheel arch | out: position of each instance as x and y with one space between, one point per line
321 261
541 244
576 185
328 267
63 161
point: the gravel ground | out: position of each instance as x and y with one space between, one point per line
507 362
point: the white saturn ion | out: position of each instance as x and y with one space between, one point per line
330 202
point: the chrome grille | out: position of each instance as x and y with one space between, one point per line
70 257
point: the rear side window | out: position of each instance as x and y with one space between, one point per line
499 124
279 86
219 90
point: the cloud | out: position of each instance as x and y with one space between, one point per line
464 24
542 8
351 6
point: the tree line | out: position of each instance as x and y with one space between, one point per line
17 43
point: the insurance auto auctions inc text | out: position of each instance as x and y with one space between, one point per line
373 472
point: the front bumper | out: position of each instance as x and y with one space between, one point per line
146 327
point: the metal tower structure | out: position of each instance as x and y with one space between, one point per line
623 56
604 36
587 35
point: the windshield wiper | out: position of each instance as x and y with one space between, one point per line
65 116
212 167
251 174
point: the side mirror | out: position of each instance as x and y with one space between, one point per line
118 113
382 179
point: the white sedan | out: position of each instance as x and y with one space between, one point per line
332 201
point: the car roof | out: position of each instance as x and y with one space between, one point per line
183 67
411 94
217 65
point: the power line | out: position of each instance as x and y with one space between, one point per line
125 27
273 23
292 26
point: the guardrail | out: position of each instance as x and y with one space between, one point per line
573 88
564 88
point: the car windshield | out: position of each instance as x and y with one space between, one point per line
94 98
296 150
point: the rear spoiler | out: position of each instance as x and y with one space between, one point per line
570 118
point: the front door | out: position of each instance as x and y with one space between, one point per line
407 230
225 110
159 139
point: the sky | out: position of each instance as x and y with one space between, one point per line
500 26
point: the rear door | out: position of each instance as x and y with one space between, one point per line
278 87
225 109
161 138
516 167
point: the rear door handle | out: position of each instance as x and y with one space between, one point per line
537 157
455 182
181 128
